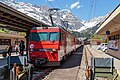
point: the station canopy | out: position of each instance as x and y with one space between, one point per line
112 22
14 20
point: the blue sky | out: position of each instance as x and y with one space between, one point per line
83 9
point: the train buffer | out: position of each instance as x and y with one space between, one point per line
102 67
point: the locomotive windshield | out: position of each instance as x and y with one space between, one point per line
53 36
44 36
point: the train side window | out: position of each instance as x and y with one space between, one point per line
62 36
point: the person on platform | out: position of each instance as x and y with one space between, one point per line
9 49
21 47
16 48
87 73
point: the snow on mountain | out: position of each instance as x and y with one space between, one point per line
29 9
41 13
92 22
72 20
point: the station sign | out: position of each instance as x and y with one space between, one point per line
107 32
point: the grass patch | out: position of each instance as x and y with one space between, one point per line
1 31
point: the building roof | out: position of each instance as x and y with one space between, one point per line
12 19
3 35
112 22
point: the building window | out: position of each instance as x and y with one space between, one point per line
5 41
114 37
117 36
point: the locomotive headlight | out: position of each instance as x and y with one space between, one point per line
54 50
31 47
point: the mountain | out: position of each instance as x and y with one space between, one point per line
41 13
60 18
73 20
91 26
94 22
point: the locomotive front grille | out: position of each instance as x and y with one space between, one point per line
41 61
46 50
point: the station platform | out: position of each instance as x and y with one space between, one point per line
99 53
12 54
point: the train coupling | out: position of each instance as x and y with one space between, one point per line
41 61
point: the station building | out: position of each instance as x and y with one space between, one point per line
111 28
12 39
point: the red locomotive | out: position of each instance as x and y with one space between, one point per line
48 46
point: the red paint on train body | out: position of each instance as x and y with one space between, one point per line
50 45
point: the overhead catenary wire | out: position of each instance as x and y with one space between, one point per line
92 8
50 3
94 11
59 4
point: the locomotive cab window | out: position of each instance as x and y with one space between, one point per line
42 36
53 36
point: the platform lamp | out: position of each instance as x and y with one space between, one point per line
107 32
52 11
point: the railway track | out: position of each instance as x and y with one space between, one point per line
40 73
37 74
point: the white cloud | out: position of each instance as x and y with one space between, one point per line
74 5
79 7
50 0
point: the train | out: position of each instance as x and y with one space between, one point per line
48 46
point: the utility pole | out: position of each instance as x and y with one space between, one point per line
91 38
